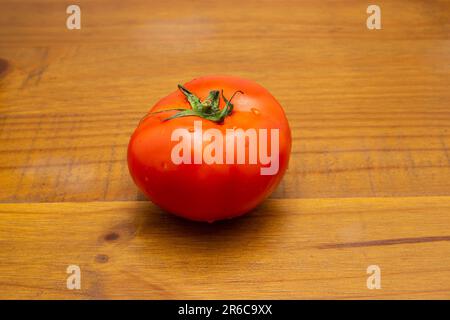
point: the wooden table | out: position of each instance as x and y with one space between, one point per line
369 176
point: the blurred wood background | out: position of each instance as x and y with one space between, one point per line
369 113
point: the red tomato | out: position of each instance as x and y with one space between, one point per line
209 191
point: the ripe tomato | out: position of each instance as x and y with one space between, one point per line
210 191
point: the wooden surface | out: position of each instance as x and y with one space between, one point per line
294 248
370 117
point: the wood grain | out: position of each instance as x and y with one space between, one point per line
370 118
285 249
369 110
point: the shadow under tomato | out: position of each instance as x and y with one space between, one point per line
172 231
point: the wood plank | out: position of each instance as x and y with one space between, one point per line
285 249
369 110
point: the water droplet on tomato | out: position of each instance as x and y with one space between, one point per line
146 179
255 111
164 165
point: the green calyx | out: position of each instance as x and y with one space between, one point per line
207 109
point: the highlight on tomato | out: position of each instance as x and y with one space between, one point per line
214 149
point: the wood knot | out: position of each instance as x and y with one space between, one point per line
4 66
102 258
112 236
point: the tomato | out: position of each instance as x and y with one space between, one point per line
201 189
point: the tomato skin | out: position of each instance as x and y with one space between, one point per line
207 192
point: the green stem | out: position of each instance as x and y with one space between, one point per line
207 109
